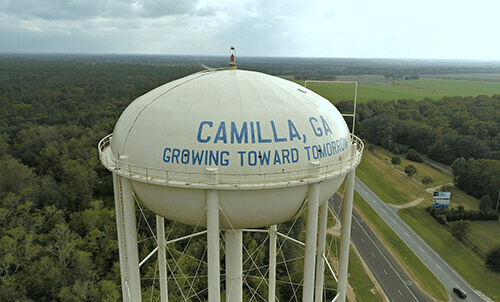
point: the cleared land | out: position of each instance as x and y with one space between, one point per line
375 87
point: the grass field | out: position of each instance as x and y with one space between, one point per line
483 77
389 181
373 87
461 257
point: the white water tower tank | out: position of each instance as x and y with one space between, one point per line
258 139
230 149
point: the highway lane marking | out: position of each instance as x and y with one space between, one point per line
421 249
400 292
439 267
373 254
385 272
385 258
362 239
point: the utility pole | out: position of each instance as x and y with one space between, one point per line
498 199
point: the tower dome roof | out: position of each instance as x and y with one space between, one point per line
240 122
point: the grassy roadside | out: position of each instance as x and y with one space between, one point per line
389 181
461 257
412 264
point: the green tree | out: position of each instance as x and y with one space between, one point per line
493 259
460 229
486 203
414 156
427 180
396 160
410 170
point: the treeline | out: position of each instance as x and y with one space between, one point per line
444 129
479 178
445 215
57 222
465 130
58 238
328 68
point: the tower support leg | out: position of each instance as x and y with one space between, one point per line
162 261
213 245
234 265
273 233
320 261
345 234
127 239
311 239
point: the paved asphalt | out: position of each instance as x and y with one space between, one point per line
447 275
393 279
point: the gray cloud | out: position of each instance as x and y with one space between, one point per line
82 10
256 27
159 8
53 9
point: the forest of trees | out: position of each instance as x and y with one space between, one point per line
465 130
58 238
57 224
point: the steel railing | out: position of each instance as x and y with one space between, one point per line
211 178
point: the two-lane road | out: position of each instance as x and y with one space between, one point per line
447 275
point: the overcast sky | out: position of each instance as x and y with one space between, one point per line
424 29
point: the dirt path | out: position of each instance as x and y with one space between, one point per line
418 200
408 205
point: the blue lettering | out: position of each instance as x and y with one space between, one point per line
221 133
200 129
293 131
285 153
224 161
323 151
325 125
175 154
308 155
197 157
241 153
276 138
259 135
334 148
315 152
265 157
252 133
317 130
329 150
295 155
165 157
277 158
239 137
252 158
214 157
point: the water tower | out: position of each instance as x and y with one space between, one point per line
230 150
